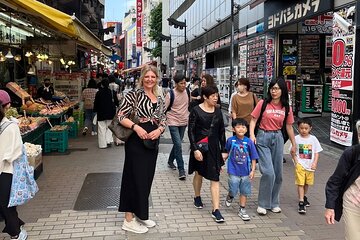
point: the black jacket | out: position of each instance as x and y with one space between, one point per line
105 104
346 172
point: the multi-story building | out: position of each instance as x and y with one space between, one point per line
89 12
300 40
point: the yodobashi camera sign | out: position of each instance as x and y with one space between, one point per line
279 13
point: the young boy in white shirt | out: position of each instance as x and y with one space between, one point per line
305 161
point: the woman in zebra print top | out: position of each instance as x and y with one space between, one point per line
140 159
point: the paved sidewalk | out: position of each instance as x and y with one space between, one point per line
50 214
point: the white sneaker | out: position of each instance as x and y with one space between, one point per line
276 210
134 226
261 211
92 133
22 235
147 223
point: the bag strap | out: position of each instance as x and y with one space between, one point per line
172 98
4 126
263 107
254 100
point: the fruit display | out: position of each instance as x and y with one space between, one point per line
59 128
12 112
32 107
28 124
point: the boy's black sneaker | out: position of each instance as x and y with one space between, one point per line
228 200
306 202
198 203
302 207
217 216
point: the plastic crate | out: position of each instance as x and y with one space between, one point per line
56 136
56 146
73 128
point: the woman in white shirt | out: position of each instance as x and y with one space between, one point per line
10 150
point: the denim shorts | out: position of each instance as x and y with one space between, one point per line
239 184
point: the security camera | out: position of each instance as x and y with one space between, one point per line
218 20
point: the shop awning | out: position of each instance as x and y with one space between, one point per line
59 21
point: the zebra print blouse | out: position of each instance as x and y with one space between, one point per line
144 107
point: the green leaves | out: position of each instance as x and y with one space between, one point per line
155 29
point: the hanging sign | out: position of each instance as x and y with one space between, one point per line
139 10
343 57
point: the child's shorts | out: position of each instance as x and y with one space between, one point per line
303 176
239 184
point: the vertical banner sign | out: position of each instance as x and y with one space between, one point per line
139 23
242 59
269 58
343 57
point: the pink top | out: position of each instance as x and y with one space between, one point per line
178 115
273 116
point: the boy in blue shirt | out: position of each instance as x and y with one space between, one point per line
241 164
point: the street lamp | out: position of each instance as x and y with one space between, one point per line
167 39
181 25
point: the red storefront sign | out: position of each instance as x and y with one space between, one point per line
139 23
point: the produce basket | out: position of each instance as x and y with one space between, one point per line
73 128
56 139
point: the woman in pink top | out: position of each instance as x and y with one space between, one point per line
270 143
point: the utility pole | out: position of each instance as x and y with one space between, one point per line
186 59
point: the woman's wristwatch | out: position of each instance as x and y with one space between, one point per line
133 126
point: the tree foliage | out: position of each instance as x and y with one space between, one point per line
156 29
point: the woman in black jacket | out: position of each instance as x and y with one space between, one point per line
206 125
105 107
343 191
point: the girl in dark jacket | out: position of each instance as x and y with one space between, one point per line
105 107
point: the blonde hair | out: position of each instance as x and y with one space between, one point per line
144 70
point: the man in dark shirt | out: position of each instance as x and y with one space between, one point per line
165 84
46 91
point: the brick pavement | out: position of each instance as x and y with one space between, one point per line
49 215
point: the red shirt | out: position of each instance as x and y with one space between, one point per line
273 116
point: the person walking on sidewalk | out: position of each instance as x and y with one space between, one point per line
10 150
141 149
343 191
207 142
241 165
270 143
88 97
177 102
105 107
305 161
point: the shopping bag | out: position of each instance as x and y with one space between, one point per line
23 186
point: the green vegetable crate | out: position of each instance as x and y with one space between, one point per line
72 128
56 141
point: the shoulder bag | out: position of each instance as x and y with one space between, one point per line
121 132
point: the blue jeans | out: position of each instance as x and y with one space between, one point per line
239 184
270 146
89 116
177 135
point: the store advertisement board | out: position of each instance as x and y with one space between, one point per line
311 98
269 58
242 59
343 58
256 64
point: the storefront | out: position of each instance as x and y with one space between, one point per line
315 49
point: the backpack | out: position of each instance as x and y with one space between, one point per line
172 98
283 129
240 151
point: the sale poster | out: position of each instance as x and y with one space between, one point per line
343 58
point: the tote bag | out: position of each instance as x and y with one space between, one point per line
23 186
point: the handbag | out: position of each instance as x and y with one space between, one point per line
121 132
203 144
151 144
23 186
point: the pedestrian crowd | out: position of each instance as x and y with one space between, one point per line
260 129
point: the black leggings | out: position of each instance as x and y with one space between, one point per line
10 215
